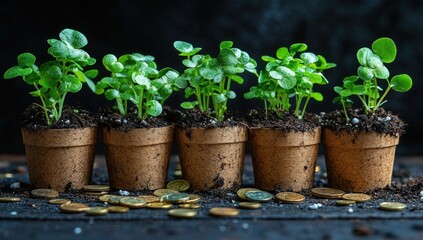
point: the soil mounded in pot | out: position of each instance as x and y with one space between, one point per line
33 118
194 118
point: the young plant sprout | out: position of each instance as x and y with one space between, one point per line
288 76
210 79
54 79
371 73
135 78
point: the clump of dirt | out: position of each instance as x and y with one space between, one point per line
286 122
408 191
33 118
379 121
196 118
111 118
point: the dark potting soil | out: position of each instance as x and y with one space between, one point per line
408 190
379 121
286 122
33 118
196 118
110 118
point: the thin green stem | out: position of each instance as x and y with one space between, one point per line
44 106
383 96
61 103
345 110
140 112
305 106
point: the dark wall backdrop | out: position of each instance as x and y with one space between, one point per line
335 29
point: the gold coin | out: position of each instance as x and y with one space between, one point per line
117 209
175 198
290 197
159 205
317 168
392 206
96 193
179 185
344 202
149 198
224 212
177 173
250 205
132 202
259 196
241 192
96 188
190 205
358 197
73 207
96 211
182 213
45 193
164 191
114 199
104 198
59 201
193 198
323 192
10 199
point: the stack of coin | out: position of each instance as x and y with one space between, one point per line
241 193
290 197
96 190
132 202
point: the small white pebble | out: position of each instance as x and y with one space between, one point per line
13 213
355 120
421 194
233 201
77 230
231 194
315 206
123 193
15 185
388 118
350 210
421 199
245 226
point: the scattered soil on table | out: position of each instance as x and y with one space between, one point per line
196 118
33 118
111 118
408 191
286 122
379 121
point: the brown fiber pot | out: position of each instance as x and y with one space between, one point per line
138 159
61 159
284 160
212 158
359 163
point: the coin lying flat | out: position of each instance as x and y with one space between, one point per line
323 192
104 198
344 202
164 191
73 207
59 201
182 213
223 212
150 198
114 199
175 198
190 205
45 193
179 185
250 205
10 199
290 197
96 211
358 197
117 209
159 205
193 198
241 192
259 196
96 188
392 206
96 193
132 202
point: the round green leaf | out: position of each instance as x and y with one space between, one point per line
362 55
227 57
275 74
317 96
183 47
73 38
358 90
91 73
237 79
188 105
345 93
54 72
401 83
111 94
231 95
287 82
365 73
298 47
374 61
385 48
17 71
219 98
282 52
268 59
26 60
153 108
309 57
382 72
338 89
226 44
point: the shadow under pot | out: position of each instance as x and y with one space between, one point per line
359 162
284 160
60 159
138 159
212 158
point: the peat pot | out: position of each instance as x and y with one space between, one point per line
361 162
284 160
138 159
212 158
60 159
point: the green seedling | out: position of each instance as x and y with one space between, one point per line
136 79
54 79
210 79
289 77
371 74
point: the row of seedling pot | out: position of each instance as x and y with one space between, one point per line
359 143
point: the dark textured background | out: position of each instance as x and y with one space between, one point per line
335 29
